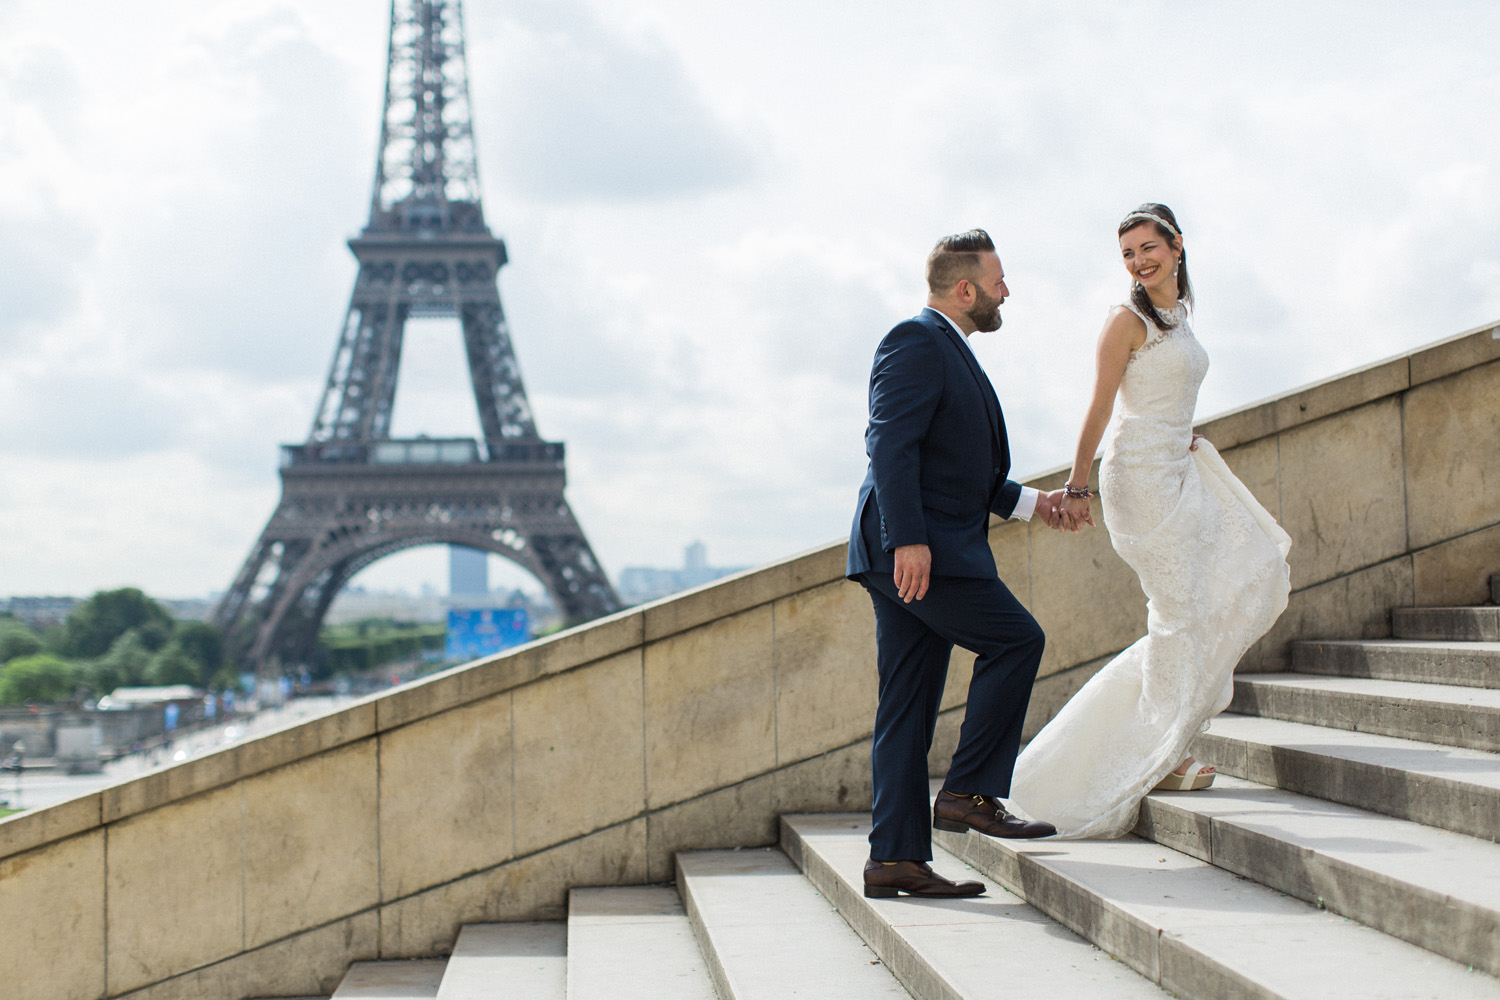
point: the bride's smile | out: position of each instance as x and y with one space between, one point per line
1151 260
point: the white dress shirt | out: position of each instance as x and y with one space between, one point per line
1026 506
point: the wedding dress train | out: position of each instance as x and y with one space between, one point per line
1212 562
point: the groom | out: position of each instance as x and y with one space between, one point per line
919 545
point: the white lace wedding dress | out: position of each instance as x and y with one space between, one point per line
1212 562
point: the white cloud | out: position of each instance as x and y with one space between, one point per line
713 214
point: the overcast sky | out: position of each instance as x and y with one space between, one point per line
713 212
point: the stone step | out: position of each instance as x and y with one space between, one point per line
1204 932
768 933
520 961
1437 889
1478 624
1434 713
1446 787
633 943
963 949
404 979
1467 664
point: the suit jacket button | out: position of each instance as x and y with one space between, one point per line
997 470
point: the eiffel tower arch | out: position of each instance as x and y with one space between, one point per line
352 494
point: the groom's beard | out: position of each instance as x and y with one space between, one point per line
986 313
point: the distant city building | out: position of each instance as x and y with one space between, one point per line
468 571
639 584
39 612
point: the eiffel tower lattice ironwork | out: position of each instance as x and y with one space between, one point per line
353 494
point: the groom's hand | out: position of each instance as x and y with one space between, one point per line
913 571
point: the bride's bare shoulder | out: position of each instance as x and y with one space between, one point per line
1123 326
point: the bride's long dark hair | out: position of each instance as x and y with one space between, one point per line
1138 295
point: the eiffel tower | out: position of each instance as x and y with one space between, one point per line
352 494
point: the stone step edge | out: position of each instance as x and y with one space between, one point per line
1410 715
1481 624
1455 662
840 942
1433 920
1446 803
911 967
1161 952
349 988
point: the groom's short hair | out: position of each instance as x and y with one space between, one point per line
956 258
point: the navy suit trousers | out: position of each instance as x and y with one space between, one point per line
914 642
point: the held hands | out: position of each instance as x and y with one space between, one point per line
1063 512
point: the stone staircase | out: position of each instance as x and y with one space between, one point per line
1346 850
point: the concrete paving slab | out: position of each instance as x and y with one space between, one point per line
768 933
1434 713
518 961
394 980
1203 931
1420 660
633 943
1449 787
962 949
1435 888
1476 624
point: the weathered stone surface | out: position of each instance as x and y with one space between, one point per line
175 880
1446 787
1355 606
632 943
837 780
741 815
1471 624
312 962
473 682
579 752
1434 713
311 854
710 707
728 597
52 915
953 949
531 888
750 905
1087 600
1452 436
1466 350
1470 664
1343 499
1456 571
32 829
445 797
826 681
1341 393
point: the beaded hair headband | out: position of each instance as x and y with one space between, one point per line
1148 217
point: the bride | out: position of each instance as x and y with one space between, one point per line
1211 560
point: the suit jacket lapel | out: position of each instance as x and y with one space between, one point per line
986 389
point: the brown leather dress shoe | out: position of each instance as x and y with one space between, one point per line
984 814
915 878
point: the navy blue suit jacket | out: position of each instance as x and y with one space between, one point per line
938 452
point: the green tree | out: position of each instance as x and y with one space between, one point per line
203 643
37 678
123 666
17 640
94 625
173 665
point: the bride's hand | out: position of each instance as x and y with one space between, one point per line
1196 439
1076 512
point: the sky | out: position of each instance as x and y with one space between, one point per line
713 214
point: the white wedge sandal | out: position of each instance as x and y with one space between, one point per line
1194 779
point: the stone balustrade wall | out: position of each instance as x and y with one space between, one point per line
588 758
